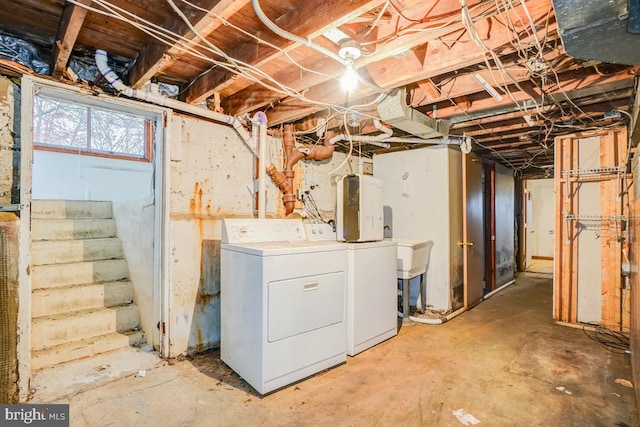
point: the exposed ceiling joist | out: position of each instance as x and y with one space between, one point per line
70 24
308 20
156 57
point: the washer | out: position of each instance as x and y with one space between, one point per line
283 302
372 295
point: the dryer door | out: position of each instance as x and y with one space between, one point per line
303 304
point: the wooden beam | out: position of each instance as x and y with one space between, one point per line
68 30
390 71
257 96
572 85
446 56
154 58
309 20
466 83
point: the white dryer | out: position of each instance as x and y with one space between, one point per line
282 302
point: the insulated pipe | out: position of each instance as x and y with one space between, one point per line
114 80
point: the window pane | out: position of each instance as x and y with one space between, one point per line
117 133
59 123
68 125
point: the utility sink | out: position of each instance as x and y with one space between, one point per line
413 256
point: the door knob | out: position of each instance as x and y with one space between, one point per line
461 244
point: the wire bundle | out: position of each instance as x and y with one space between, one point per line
615 341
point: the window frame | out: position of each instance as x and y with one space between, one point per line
99 104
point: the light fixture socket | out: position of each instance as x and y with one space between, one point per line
349 50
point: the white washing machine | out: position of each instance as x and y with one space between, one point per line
372 289
283 302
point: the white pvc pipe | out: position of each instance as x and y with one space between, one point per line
262 170
114 80
495 291
384 129
382 140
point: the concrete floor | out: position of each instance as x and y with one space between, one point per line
504 363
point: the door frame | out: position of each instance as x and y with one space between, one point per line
161 161
24 239
489 173
466 244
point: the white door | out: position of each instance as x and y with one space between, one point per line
540 218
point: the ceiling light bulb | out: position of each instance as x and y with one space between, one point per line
349 79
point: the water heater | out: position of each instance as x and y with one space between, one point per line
360 210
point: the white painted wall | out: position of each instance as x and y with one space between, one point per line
420 188
588 240
505 225
211 172
135 223
541 224
75 177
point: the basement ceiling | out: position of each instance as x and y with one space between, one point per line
495 71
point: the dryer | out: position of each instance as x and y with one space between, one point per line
283 312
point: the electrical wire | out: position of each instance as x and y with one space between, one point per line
227 23
610 339
185 45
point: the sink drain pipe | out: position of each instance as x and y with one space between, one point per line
444 319
440 321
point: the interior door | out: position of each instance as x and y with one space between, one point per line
528 229
472 229
544 208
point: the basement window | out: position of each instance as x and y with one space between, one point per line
65 126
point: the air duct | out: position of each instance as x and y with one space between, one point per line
393 110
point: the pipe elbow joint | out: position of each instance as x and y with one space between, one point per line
259 118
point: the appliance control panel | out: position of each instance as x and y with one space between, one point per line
320 232
237 230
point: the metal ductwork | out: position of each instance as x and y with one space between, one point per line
606 31
394 111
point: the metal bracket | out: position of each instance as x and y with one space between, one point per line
13 208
